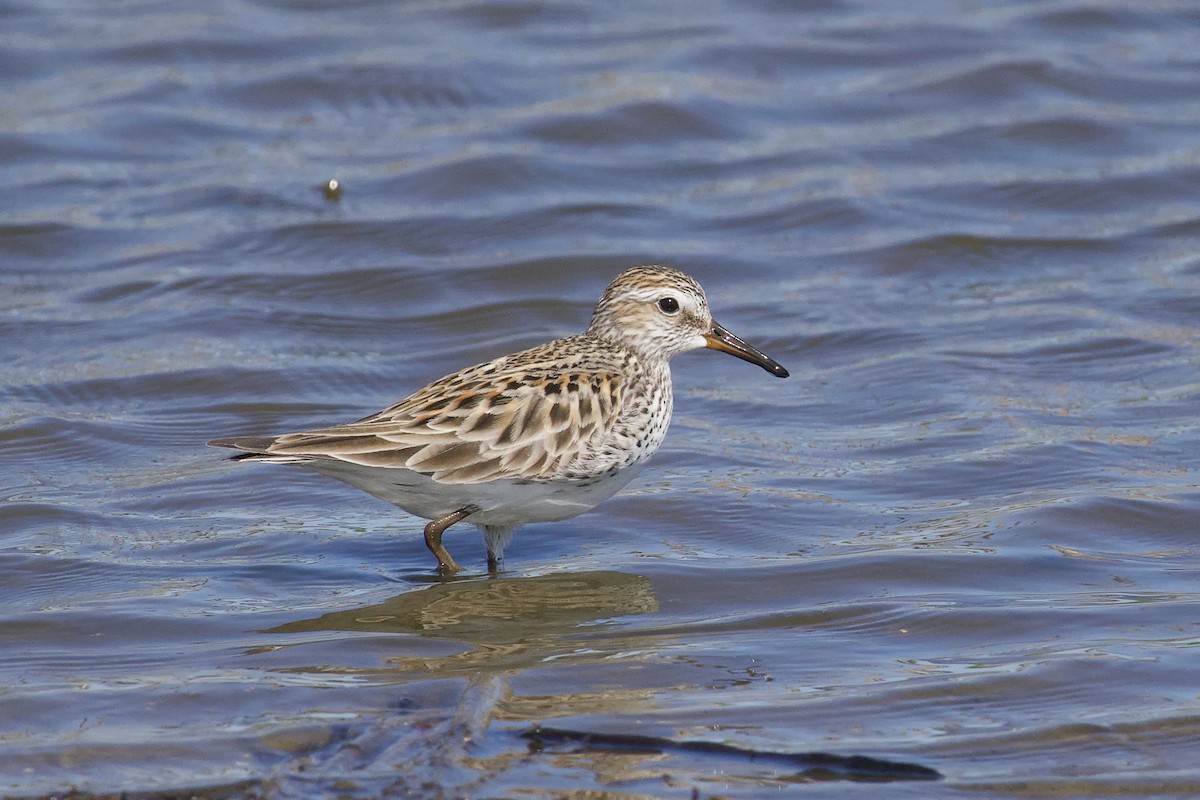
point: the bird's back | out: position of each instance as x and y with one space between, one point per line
570 410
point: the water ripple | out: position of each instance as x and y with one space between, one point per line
960 534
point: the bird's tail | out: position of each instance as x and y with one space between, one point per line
254 448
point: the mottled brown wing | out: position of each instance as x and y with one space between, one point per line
470 429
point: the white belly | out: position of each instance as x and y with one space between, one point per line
501 503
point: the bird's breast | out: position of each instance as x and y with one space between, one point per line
637 431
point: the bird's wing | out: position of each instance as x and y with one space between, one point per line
478 425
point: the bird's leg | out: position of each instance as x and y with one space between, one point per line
495 537
433 538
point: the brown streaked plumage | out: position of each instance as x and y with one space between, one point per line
537 436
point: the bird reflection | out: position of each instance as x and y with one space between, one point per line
508 623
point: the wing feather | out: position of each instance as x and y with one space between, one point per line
498 420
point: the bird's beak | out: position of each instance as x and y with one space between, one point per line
720 339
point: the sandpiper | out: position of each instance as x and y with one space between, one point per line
537 436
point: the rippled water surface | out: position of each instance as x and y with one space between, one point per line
963 535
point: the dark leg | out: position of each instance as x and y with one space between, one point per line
433 538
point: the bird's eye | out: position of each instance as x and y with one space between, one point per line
669 305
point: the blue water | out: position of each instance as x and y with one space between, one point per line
962 534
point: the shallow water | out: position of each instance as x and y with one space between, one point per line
962 535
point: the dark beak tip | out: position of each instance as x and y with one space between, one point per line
721 339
